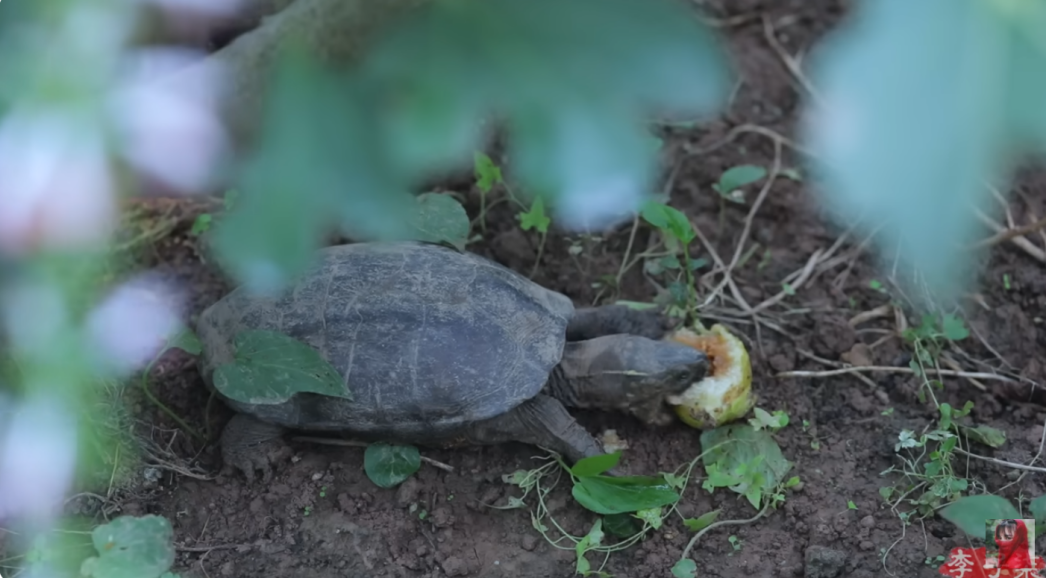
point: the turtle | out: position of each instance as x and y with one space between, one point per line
442 347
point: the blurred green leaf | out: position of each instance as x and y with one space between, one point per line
1027 85
668 219
131 547
913 124
575 125
954 328
737 177
969 513
184 339
1038 508
271 367
319 164
439 218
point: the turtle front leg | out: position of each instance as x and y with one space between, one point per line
589 323
247 444
541 421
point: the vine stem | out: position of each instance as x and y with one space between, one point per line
699 534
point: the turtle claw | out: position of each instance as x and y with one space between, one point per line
249 463
247 446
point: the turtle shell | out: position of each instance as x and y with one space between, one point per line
426 338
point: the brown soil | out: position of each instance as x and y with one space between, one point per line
322 517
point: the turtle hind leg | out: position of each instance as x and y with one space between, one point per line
541 421
247 445
588 323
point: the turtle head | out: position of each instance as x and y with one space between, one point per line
631 374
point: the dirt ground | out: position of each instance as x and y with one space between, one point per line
322 517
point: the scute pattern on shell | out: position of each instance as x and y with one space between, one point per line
426 337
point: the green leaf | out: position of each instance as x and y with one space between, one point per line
969 513
946 416
440 219
850 505
271 367
750 457
1038 508
701 522
737 177
201 224
954 328
611 495
487 173
535 218
670 262
518 478
669 220
593 539
185 340
906 144
986 435
621 525
763 419
651 516
593 465
684 568
131 547
387 465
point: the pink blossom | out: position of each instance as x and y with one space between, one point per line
165 109
37 456
133 323
57 189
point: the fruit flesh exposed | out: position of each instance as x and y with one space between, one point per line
725 395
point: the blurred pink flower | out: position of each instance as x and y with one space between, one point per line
133 323
56 189
37 457
167 118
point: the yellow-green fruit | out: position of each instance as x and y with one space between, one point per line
725 395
